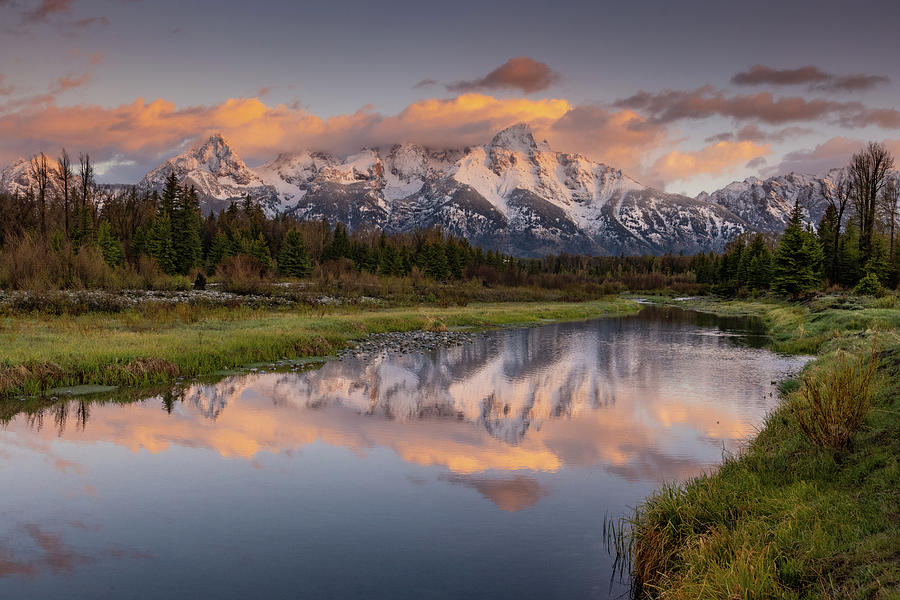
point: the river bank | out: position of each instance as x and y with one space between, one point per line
158 343
787 518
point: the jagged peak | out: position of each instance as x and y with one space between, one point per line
518 138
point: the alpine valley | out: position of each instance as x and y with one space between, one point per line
513 194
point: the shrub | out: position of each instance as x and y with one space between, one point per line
831 406
869 286
243 274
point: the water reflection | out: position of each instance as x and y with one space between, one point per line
651 398
518 443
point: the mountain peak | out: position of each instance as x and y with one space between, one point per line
518 138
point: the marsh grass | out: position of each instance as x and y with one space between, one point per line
156 343
794 515
830 406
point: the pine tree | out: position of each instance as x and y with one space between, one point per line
827 237
109 246
186 224
759 264
220 249
796 264
339 247
159 244
255 247
294 260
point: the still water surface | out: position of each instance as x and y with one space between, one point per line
478 471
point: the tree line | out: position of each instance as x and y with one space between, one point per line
92 233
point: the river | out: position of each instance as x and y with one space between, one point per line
483 470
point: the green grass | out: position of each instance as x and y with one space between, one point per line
786 518
40 352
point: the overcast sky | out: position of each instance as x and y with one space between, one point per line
682 95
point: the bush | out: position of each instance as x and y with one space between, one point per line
830 406
243 274
869 286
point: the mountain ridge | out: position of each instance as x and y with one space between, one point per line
513 194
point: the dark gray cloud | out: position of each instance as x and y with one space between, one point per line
813 77
522 73
756 163
427 82
753 133
668 106
46 9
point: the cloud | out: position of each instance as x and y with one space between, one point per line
149 128
509 494
833 153
46 9
669 106
710 160
522 73
5 90
68 82
87 22
811 76
620 138
427 82
263 91
757 162
755 134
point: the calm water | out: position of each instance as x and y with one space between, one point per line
479 471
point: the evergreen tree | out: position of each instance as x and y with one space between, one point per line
826 232
294 260
186 225
159 244
221 248
795 266
109 246
255 247
339 247
390 261
433 261
759 264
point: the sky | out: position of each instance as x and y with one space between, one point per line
685 96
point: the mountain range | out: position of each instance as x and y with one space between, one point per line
513 194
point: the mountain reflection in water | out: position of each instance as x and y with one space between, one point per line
519 417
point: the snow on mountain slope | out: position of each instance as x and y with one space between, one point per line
766 204
16 178
218 174
513 194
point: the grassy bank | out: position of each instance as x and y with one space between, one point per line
792 517
156 343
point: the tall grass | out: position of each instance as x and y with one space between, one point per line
810 508
831 406
154 343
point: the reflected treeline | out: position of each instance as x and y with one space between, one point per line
506 381
648 397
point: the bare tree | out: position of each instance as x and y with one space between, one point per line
838 197
890 206
86 175
64 175
869 170
39 169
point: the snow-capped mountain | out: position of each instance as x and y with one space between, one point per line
217 172
16 177
512 194
766 204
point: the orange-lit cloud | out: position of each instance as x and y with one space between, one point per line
713 159
258 130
